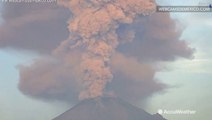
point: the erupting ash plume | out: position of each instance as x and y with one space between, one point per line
113 47
93 30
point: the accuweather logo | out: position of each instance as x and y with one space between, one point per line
176 112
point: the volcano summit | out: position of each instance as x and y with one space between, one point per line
106 108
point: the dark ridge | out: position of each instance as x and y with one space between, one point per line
106 108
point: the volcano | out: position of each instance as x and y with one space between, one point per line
106 108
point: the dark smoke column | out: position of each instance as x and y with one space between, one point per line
93 31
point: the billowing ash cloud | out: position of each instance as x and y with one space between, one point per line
112 49
157 38
93 27
34 26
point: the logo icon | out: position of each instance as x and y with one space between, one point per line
160 111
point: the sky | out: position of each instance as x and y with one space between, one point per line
189 80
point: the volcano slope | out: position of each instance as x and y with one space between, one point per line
106 108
